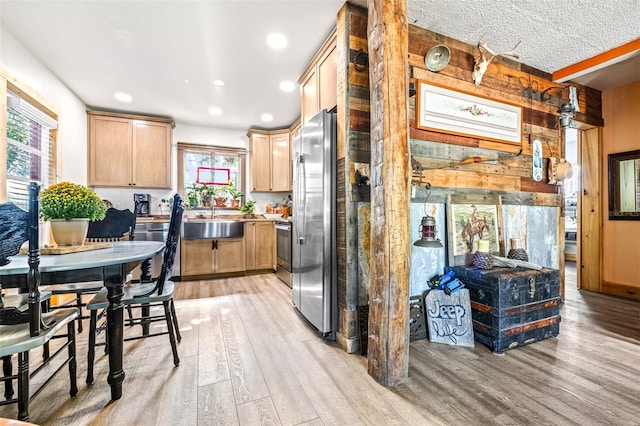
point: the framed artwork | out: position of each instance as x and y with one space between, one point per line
451 111
469 223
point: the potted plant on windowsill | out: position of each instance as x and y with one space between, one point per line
248 208
220 196
70 207
235 195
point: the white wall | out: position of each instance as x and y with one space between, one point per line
72 121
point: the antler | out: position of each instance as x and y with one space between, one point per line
481 63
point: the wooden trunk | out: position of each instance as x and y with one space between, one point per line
512 307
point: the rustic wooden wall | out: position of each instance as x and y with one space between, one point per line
507 81
509 174
353 193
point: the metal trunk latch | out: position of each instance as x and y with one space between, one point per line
532 287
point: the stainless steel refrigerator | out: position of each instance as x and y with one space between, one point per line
314 218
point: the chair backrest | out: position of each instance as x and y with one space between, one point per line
171 244
115 225
14 230
17 227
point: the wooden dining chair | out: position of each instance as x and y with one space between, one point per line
144 295
117 225
24 330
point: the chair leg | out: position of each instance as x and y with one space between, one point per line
71 335
145 311
175 321
46 307
45 351
91 353
130 314
79 304
172 337
7 370
23 386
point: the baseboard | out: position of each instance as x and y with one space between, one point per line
621 290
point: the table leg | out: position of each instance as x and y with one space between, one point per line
114 277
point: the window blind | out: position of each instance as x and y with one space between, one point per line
30 145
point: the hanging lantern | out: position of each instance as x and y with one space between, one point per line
428 233
566 114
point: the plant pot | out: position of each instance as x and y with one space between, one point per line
206 200
248 216
221 202
235 203
69 232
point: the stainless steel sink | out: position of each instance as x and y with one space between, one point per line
202 229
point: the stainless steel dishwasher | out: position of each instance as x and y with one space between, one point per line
155 231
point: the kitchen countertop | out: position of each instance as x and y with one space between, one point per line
239 218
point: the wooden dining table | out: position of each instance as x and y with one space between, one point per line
109 265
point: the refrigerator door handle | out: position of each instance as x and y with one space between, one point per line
303 199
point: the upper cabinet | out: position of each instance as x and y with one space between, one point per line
293 130
129 150
318 84
270 160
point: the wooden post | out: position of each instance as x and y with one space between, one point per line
388 342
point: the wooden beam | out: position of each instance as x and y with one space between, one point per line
388 341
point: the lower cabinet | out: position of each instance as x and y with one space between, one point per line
255 251
259 238
205 257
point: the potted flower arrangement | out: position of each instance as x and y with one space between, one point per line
235 195
70 208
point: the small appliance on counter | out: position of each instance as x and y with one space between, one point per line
143 204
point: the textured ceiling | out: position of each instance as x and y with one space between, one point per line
150 48
553 34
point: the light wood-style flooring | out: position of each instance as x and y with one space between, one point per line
247 358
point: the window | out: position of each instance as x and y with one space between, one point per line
30 145
212 166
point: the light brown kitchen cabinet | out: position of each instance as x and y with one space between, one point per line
260 242
196 257
293 130
207 256
309 91
270 160
318 83
129 151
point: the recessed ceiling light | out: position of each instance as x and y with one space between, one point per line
215 111
266 118
123 97
186 81
276 41
287 86
218 82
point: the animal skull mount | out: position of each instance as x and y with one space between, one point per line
482 61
